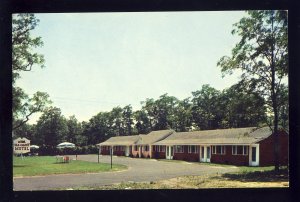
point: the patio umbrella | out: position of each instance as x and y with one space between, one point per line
66 145
34 147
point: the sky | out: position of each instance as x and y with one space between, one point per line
97 61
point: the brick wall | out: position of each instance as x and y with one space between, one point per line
158 155
185 156
119 153
105 151
266 154
228 158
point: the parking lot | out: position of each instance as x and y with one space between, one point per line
139 170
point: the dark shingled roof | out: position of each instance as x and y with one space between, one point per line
221 136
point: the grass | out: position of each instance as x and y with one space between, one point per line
47 165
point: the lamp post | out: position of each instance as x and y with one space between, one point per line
111 150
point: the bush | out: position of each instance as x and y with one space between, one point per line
92 149
46 150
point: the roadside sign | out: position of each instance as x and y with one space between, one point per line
21 146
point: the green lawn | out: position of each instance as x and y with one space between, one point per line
46 165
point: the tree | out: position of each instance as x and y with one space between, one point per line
165 108
51 127
24 107
23 59
99 128
204 109
262 55
142 122
183 116
149 107
27 131
127 119
241 108
74 130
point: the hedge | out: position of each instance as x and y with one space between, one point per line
47 150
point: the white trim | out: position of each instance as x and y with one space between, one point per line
127 150
169 152
181 149
190 149
205 154
256 162
214 149
234 151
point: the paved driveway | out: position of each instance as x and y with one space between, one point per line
139 170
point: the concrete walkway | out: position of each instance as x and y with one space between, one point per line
139 170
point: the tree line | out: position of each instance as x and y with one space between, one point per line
207 108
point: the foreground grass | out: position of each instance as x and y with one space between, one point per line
246 177
46 165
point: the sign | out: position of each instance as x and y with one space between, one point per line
21 146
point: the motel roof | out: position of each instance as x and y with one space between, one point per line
249 135
121 140
140 139
153 137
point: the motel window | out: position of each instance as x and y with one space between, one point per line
193 149
157 148
245 150
146 148
179 149
135 147
239 150
160 148
218 149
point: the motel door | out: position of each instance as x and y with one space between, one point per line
204 153
127 151
254 155
169 152
140 151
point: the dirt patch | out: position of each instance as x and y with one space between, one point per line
216 181
193 182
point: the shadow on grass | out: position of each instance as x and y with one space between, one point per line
19 166
61 163
258 176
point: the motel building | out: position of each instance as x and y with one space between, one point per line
138 146
237 146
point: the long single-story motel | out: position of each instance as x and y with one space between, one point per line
237 146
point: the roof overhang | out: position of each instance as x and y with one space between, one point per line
200 144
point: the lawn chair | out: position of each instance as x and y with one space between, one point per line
66 159
59 159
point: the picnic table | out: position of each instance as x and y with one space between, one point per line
62 159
